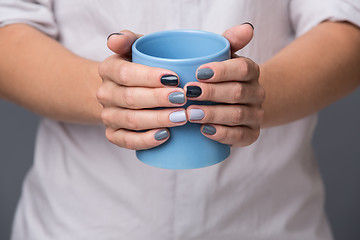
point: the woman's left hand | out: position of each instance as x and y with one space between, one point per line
234 83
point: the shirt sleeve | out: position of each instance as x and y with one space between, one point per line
36 13
305 14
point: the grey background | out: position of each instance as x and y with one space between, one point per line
336 143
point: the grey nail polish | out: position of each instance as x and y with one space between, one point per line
114 34
196 114
205 73
169 80
160 135
177 97
207 129
178 116
193 91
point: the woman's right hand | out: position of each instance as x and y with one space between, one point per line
129 92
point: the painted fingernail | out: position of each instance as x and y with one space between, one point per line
196 114
177 97
193 91
169 80
178 116
249 24
114 34
160 135
208 129
205 73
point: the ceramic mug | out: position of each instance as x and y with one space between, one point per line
183 51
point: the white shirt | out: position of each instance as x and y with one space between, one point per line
83 187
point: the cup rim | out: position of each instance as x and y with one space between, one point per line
183 60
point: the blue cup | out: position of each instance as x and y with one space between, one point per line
183 51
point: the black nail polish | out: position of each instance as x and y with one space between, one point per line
169 80
193 91
114 34
249 24
208 129
204 73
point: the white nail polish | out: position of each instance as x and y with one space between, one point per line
196 114
178 116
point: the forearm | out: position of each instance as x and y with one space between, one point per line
312 72
39 74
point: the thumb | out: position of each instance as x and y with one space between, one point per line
239 36
121 42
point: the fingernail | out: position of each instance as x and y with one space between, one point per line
178 116
193 91
114 34
208 129
177 97
160 135
196 114
205 73
249 24
169 80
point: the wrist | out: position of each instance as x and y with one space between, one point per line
91 111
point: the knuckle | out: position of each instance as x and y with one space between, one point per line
131 121
261 114
261 94
240 136
102 69
251 137
128 143
238 116
129 97
109 134
210 91
238 92
221 71
209 115
244 66
257 68
101 94
256 134
105 116
159 97
123 73
223 135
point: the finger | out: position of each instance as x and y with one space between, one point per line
230 115
111 94
239 36
235 69
137 140
121 42
239 136
143 119
131 74
226 92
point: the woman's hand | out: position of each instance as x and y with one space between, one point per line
235 83
128 92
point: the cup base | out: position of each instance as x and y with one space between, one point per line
177 166
187 148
